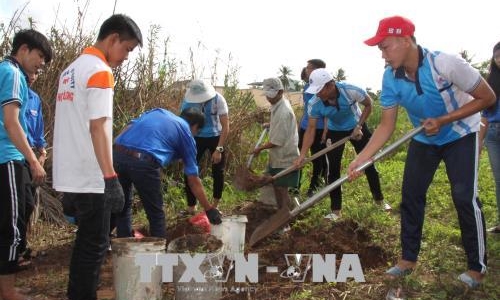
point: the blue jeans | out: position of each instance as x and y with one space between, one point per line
492 142
460 159
145 177
91 243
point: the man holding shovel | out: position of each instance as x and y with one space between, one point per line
445 94
283 140
338 101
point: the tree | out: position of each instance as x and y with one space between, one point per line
482 67
340 76
285 74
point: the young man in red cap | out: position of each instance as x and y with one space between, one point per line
445 94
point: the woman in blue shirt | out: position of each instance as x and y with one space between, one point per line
490 128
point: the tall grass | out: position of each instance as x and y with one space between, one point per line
153 79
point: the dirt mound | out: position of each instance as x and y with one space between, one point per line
337 238
343 237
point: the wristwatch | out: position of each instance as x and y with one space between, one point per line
220 149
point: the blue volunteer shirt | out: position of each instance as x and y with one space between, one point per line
305 116
34 121
212 109
443 85
164 135
13 89
493 116
346 115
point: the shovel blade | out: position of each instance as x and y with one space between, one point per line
273 223
266 196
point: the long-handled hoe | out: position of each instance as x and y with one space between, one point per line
284 216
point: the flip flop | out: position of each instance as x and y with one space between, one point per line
398 272
469 281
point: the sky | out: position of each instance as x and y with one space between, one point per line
260 36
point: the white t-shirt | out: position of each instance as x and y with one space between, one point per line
85 93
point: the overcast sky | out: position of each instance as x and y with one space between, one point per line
262 35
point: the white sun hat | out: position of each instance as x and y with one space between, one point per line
199 91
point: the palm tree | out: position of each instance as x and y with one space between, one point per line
340 76
482 67
285 73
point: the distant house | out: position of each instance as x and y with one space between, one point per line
255 89
261 101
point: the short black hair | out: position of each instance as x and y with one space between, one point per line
303 74
317 63
34 40
126 28
194 116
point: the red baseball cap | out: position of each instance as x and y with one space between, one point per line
392 26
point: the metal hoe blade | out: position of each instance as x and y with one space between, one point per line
283 217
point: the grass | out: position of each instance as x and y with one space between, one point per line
154 80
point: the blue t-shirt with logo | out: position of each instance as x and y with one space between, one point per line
13 89
164 135
345 116
443 85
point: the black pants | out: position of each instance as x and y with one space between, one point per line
15 186
91 243
334 161
461 160
319 164
202 145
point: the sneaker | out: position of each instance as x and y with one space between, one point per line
285 229
469 280
332 216
495 229
384 205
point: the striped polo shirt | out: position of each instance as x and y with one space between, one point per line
443 83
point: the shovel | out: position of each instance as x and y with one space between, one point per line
267 191
283 216
260 181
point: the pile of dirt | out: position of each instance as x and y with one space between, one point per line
341 237
338 238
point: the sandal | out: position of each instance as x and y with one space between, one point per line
397 272
469 280
23 264
495 229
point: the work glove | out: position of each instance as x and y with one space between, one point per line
113 194
213 216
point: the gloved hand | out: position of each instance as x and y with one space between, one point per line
113 194
213 216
